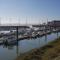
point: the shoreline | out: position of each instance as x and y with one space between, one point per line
47 52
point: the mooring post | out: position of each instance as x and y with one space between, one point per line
50 29
45 30
17 32
17 40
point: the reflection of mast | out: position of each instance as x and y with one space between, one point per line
17 50
57 34
39 41
46 38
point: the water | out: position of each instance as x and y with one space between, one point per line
11 52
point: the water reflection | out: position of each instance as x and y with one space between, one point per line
46 39
9 47
57 35
13 47
20 47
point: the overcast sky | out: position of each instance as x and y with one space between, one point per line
32 11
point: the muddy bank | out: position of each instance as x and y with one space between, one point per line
48 52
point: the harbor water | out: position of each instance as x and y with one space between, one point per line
12 51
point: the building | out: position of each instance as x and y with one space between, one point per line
55 23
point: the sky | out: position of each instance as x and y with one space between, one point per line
32 11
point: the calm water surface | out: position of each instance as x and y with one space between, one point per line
11 52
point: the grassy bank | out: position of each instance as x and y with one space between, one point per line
48 52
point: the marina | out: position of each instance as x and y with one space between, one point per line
25 33
29 29
17 40
14 50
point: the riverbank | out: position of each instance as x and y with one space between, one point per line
48 52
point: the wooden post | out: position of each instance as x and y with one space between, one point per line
17 32
17 40
50 28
